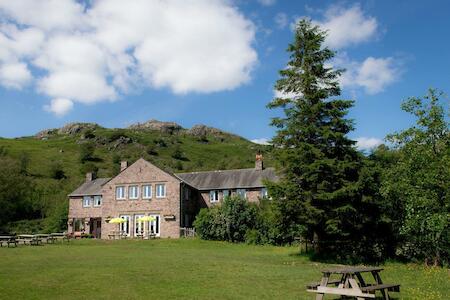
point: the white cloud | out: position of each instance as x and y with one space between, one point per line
59 106
14 75
267 2
97 52
347 26
261 141
281 20
372 74
366 143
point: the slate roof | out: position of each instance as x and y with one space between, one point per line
228 179
90 188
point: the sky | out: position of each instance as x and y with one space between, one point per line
212 62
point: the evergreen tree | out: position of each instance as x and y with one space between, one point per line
320 192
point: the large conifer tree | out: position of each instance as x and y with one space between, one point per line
320 191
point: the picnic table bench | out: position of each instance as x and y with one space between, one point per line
60 236
30 239
117 235
352 283
8 240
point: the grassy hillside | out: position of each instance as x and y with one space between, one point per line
178 150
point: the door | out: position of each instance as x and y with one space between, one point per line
138 226
98 229
125 226
155 225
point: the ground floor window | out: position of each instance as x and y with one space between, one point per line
139 226
155 225
78 225
125 226
214 196
242 193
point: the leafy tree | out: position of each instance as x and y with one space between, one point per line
57 171
419 183
15 192
320 193
87 152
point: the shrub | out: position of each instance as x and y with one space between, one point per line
228 222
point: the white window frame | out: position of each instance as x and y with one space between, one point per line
125 227
138 225
154 223
130 189
239 194
144 196
124 192
97 204
84 201
214 196
163 195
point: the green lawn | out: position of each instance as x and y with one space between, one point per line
185 269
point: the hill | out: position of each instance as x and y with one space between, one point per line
56 160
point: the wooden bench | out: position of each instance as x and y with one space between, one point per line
384 286
314 285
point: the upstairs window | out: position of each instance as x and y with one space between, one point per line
87 201
120 192
214 196
133 192
97 200
160 190
226 193
147 191
242 193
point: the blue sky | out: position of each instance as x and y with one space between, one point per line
209 62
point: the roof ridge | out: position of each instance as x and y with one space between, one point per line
218 171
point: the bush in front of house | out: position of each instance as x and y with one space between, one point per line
227 222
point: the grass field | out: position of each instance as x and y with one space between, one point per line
181 269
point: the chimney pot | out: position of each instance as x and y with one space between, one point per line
90 176
259 162
123 165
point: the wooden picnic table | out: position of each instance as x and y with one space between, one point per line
351 283
31 239
60 236
8 240
117 235
48 238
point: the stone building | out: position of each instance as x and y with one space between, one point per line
173 200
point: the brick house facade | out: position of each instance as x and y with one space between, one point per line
173 200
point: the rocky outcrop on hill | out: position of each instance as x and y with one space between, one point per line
201 130
69 129
75 128
166 127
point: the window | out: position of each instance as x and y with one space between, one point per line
125 226
133 192
213 196
78 225
264 193
160 190
97 200
242 193
147 191
138 225
120 192
226 193
86 201
154 226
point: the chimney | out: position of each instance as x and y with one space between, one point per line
259 164
123 165
90 176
